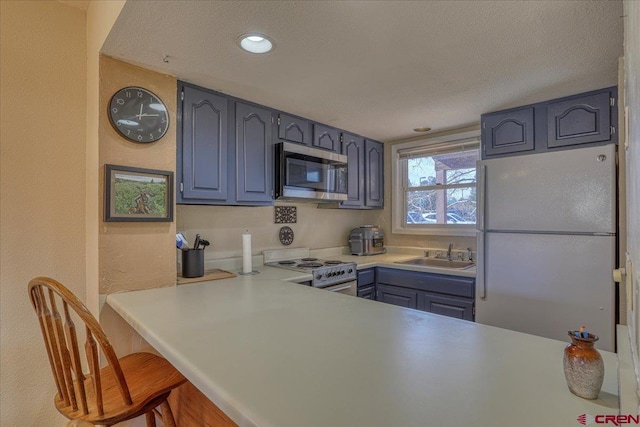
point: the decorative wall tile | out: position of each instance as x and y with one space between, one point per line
286 214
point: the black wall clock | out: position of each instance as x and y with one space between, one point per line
286 235
138 114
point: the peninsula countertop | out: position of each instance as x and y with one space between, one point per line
270 352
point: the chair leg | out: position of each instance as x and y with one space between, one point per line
151 419
167 415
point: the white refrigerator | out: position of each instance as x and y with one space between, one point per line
546 243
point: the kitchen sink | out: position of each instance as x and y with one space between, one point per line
438 262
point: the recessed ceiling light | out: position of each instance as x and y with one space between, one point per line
422 129
255 43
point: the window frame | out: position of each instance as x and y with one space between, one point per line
398 199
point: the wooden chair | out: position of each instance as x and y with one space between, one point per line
126 388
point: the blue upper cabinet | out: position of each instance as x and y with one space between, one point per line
365 173
254 156
224 149
326 137
202 146
508 132
580 120
353 148
559 124
374 166
294 129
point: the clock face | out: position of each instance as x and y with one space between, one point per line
138 115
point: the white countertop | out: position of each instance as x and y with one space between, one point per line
274 353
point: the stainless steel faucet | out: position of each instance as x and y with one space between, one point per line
449 251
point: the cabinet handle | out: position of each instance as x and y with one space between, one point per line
481 259
482 194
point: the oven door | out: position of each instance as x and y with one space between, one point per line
347 288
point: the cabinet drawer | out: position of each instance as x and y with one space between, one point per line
439 283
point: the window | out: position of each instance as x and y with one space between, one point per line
435 185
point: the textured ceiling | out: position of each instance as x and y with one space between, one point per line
380 68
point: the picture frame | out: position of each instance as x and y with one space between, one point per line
137 195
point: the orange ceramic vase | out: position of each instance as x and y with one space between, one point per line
583 366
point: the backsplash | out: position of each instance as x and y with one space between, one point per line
223 227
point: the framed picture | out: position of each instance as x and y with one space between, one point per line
135 194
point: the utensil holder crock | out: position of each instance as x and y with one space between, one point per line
193 263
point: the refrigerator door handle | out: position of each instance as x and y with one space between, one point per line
482 193
481 259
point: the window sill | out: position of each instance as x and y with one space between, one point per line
436 230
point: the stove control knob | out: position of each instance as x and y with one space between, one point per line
350 270
319 276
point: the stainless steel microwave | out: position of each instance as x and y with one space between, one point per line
309 174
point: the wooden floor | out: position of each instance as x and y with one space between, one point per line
191 408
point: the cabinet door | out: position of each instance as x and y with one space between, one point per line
366 277
294 129
374 167
254 159
579 120
397 296
326 137
353 148
203 146
508 132
367 292
446 306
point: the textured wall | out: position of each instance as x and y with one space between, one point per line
135 255
632 92
101 15
42 215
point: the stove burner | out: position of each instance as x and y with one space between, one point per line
308 259
286 262
332 262
309 264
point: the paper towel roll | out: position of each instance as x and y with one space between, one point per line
246 253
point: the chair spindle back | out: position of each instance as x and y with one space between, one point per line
81 392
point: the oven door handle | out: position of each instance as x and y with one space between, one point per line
338 288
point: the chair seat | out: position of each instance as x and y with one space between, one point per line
150 379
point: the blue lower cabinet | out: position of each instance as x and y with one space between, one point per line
367 292
367 283
398 296
446 306
452 296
